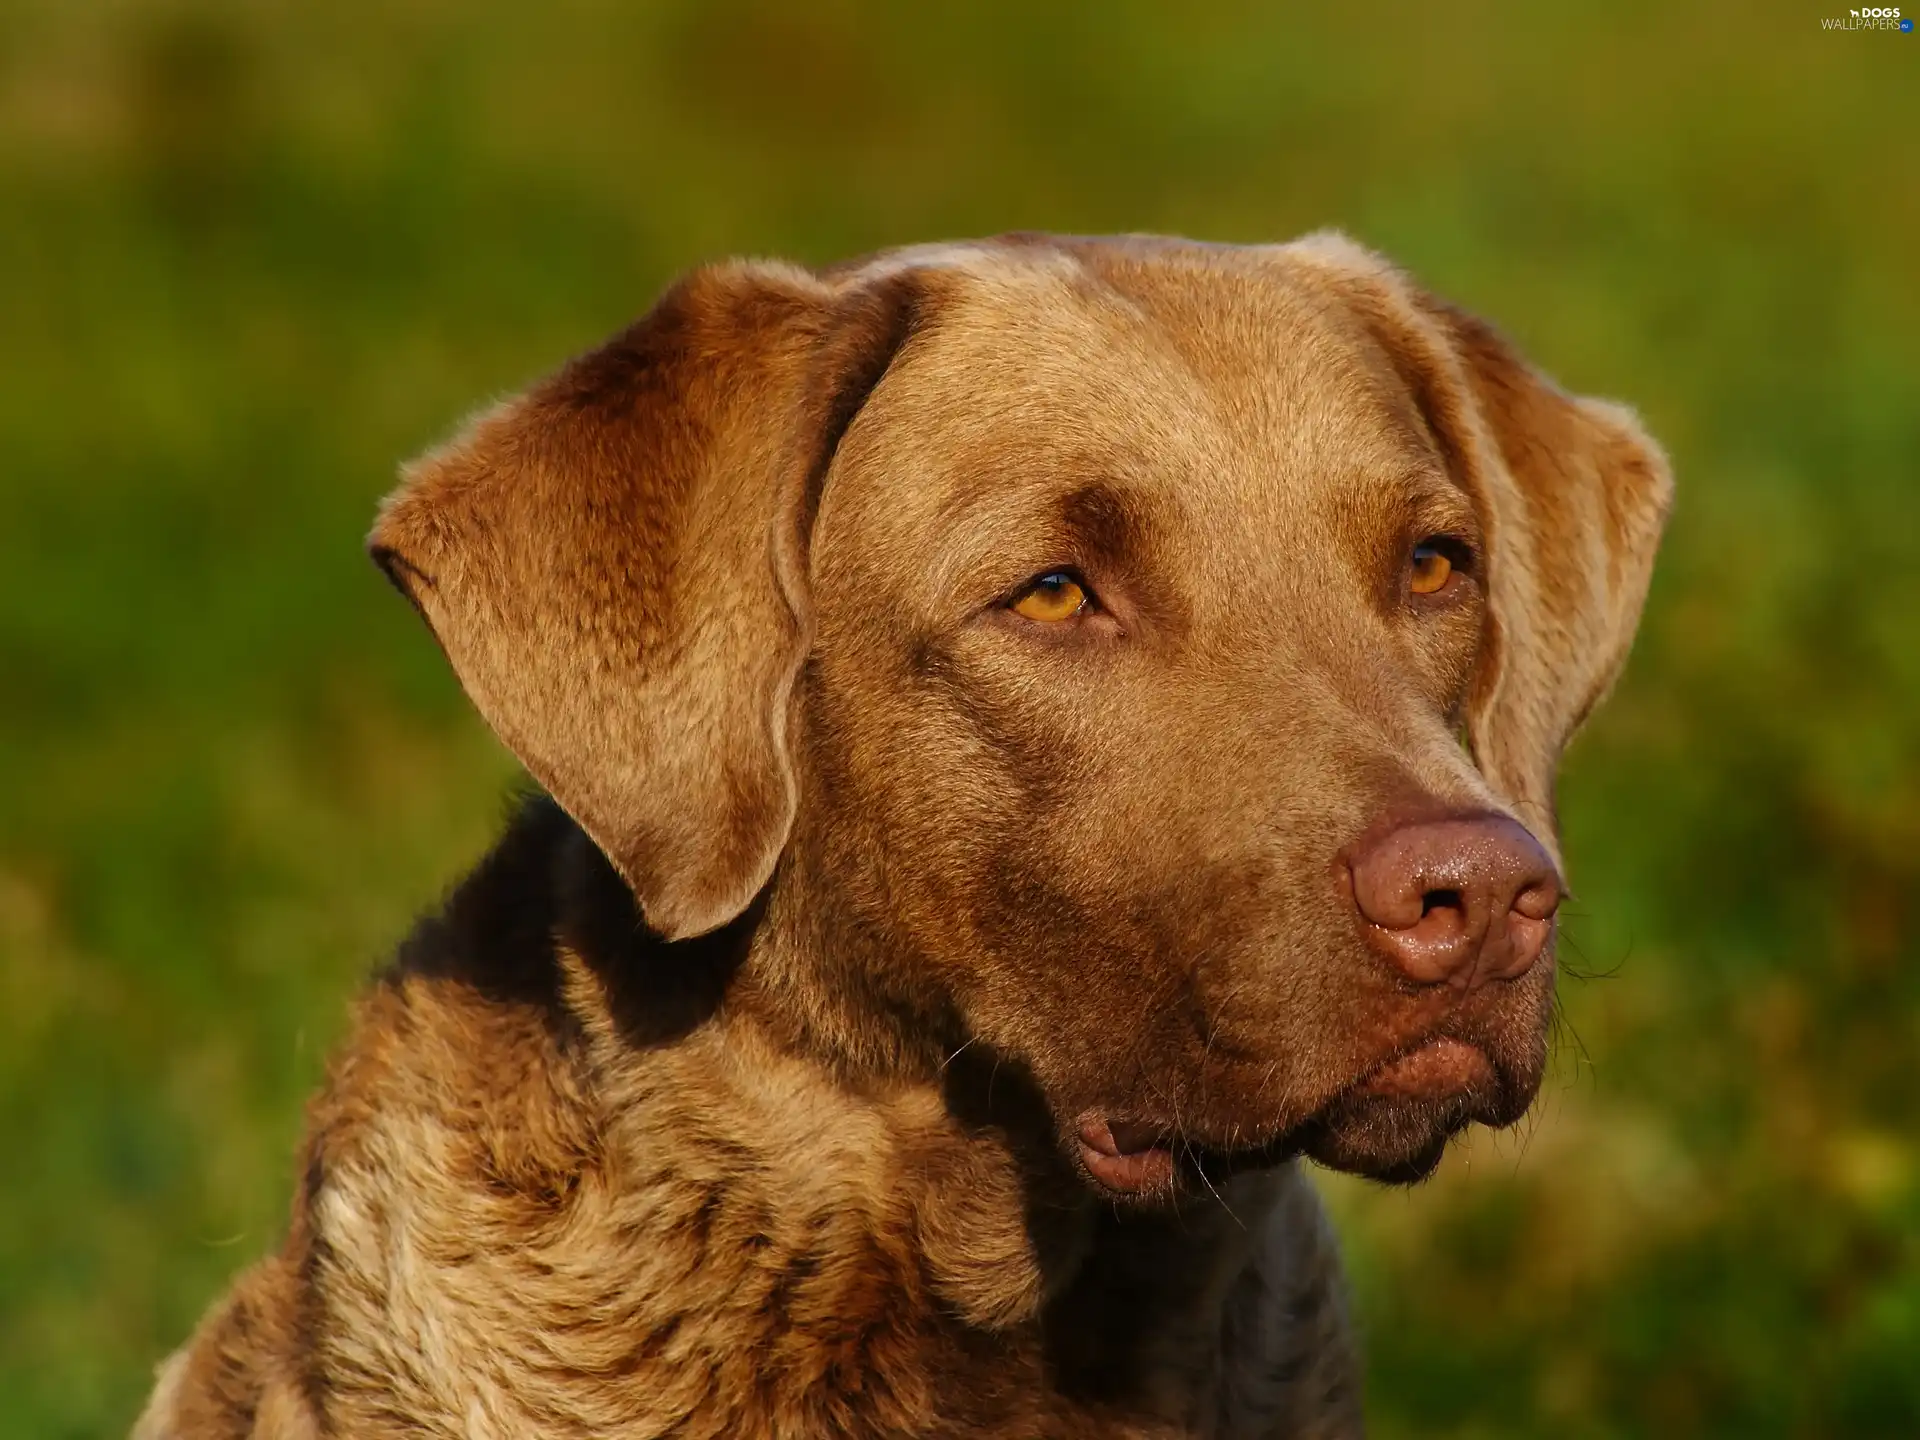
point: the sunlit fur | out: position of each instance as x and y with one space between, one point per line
736 1092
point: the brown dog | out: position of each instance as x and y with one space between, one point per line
1078 720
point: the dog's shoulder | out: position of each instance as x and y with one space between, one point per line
554 1186
457 1080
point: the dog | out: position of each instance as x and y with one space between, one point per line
1041 735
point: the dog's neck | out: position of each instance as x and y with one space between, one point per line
862 1106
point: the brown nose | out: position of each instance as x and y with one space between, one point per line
1463 901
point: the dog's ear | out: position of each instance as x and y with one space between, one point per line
1572 497
615 565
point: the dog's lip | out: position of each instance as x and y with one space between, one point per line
1436 1067
1143 1159
1128 1157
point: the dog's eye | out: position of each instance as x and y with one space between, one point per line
1433 565
1054 597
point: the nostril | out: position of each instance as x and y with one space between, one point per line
1539 900
1462 899
1526 942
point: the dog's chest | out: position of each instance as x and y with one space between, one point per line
693 1247
695 1310
504 1235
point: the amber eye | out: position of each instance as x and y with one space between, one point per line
1052 598
1431 568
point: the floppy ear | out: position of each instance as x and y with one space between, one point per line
615 565
1572 496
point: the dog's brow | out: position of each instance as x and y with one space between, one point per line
1435 501
1105 525
1116 531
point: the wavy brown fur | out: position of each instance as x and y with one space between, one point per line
746 1088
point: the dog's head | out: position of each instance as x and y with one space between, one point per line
1155 655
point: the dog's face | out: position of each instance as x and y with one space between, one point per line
1158 654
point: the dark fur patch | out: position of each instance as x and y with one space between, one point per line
492 934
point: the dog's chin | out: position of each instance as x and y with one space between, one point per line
1399 1142
1394 1124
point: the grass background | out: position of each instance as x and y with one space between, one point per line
253 253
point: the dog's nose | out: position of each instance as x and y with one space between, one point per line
1461 901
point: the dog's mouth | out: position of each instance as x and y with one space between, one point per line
1435 1070
1392 1122
1127 1157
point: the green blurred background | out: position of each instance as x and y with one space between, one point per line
252 254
